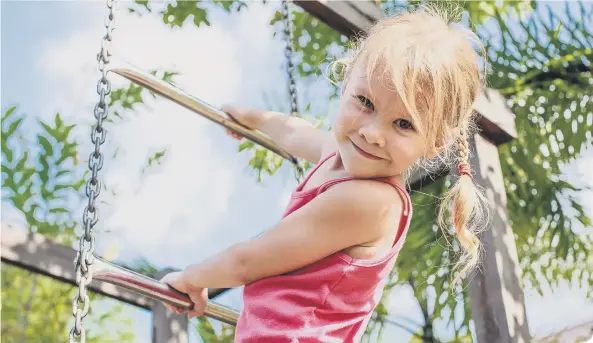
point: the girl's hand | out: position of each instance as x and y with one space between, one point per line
242 115
199 296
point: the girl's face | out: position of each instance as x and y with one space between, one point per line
375 134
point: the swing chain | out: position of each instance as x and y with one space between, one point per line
289 36
85 256
292 90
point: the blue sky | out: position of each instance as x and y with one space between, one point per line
204 197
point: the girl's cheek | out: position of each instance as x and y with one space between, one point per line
345 115
352 112
409 148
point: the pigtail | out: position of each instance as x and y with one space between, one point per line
468 212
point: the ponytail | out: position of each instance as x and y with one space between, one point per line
468 212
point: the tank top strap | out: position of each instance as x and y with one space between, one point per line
330 183
322 161
406 214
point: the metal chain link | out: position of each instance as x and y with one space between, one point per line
86 252
292 91
289 36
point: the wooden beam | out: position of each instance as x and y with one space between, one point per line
37 253
353 18
497 299
350 18
496 121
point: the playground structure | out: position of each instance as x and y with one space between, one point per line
496 294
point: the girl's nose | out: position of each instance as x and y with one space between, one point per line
372 134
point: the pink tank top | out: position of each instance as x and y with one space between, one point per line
330 300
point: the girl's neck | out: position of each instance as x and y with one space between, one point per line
336 163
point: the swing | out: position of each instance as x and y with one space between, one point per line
89 266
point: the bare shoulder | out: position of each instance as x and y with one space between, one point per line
369 196
373 205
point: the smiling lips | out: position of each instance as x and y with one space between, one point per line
365 154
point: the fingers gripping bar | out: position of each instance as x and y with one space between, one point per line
154 289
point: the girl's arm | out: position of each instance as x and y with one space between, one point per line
295 135
346 215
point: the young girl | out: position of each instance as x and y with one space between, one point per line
318 274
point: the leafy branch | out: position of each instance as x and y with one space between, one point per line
38 183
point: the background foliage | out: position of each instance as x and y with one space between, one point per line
40 176
538 59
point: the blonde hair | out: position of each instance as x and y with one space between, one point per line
433 66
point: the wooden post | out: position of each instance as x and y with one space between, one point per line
167 327
496 296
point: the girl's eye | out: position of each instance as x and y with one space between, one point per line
404 124
366 102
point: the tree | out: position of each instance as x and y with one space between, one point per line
38 308
545 72
26 173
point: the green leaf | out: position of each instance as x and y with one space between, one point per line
28 173
8 113
45 144
58 121
65 133
20 166
59 210
154 159
14 126
50 130
78 184
176 15
62 172
143 3
7 152
60 187
246 145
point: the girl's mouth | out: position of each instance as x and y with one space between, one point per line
365 154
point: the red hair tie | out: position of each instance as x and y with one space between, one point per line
464 169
